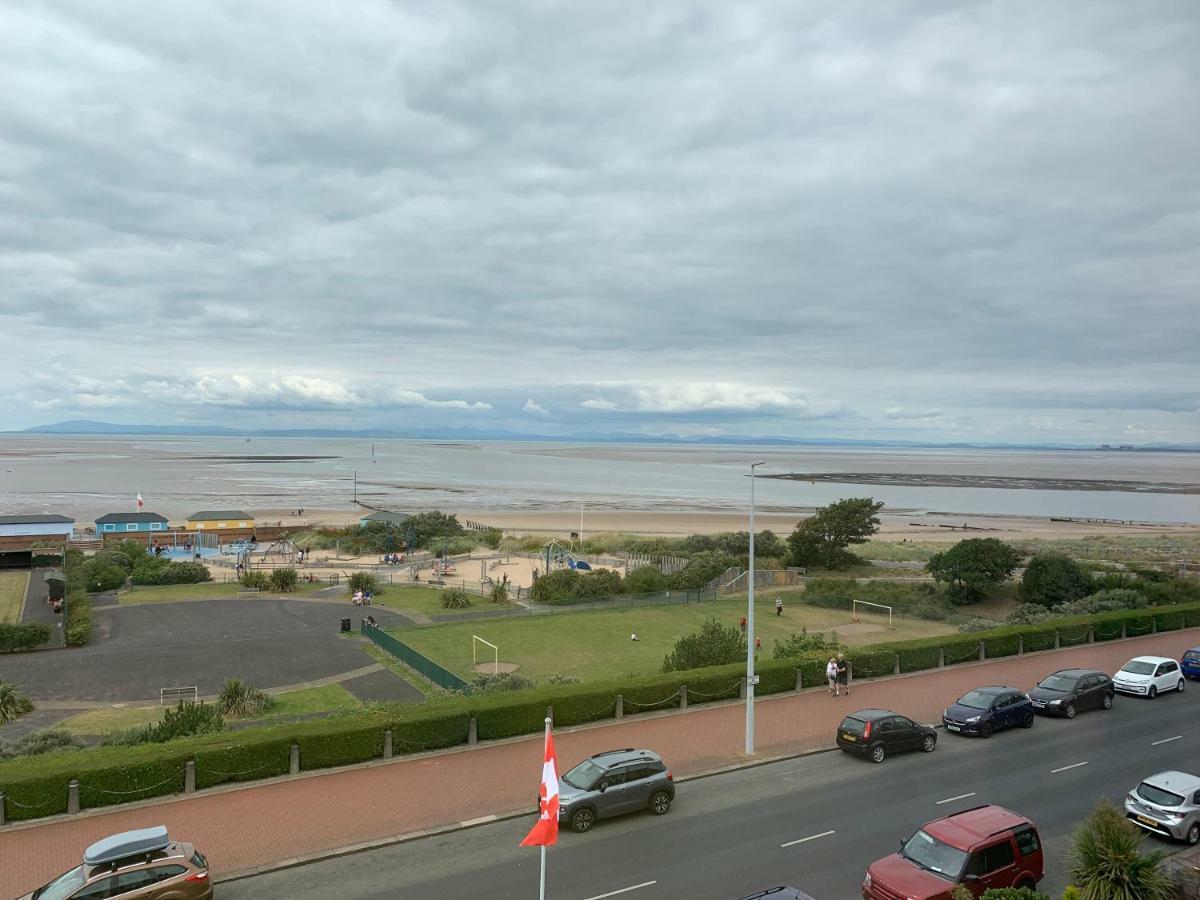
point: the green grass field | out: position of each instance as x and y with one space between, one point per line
595 645
95 722
12 593
427 600
209 590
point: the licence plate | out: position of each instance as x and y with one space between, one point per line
950 727
1146 821
848 737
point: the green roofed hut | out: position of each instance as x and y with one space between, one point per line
385 517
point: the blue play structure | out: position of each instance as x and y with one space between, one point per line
558 555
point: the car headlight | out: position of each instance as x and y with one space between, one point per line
973 719
1056 703
867 880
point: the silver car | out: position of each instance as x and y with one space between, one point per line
612 783
1167 804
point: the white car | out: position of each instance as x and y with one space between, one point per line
1149 676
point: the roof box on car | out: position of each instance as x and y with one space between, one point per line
126 844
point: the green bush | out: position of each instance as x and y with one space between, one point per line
22 635
1051 578
13 705
77 629
700 570
45 561
505 681
454 598
713 645
240 700
499 593
283 581
555 586
491 538
599 583
1009 893
185 720
873 664
38 743
645 580
255 580
797 645
363 581
102 575
166 571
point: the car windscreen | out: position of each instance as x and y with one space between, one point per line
1157 795
976 700
1137 667
61 887
1192 656
1058 683
584 775
852 725
930 853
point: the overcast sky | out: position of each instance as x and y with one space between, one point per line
932 221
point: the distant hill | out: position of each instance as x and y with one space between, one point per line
87 426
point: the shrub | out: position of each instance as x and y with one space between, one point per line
599 583
645 580
283 581
77 629
1105 861
45 561
133 551
22 635
13 705
38 743
363 581
455 598
1029 614
185 720
167 571
555 586
499 593
700 570
556 678
799 644
505 681
102 575
1051 578
713 645
255 579
491 538
114 557
239 699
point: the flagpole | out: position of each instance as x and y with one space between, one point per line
542 881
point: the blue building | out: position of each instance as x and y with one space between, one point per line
35 526
114 523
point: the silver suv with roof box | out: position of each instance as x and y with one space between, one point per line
613 783
1167 804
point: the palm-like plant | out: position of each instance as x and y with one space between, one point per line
1106 863
237 699
12 704
499 592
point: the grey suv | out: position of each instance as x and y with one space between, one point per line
612 783
1168 804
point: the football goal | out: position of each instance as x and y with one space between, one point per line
476 640
857 603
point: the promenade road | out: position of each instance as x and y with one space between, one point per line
244 828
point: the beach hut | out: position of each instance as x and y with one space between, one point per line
21 534
124 523
219 520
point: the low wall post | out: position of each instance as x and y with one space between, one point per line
73 796
620 706
294 760
189 777
799 680
472 733
1020 645
849 674
896 664
982 650
1 808
1124 633
742 689
1091 634
683 698
387 743
941 657
1057 639
1153 625
550 714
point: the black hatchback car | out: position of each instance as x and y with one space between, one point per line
877 733
1069 691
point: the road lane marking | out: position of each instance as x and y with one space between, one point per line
1065 768
952 799
632 887
811 837
1177 737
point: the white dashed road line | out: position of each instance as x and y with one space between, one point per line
811 837
952 799
632 887
1177 737
1065 768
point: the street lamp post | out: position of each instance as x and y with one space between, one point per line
751 678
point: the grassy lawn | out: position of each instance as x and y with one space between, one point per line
592 645
12 593
426 600
209 590
331 698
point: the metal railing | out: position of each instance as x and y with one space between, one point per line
420 663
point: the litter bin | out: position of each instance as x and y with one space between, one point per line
345 626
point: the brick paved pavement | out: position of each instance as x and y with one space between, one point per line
269 823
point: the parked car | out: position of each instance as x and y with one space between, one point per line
1068 691
878 733
780 893
1149 676
984 847
986 710
1190 663
612 783
1167 804
141 865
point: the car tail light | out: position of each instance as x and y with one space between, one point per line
670 777
197 876
867 731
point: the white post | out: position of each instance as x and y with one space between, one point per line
750 629
580 527
542 880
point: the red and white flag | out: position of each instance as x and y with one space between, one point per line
140 504
545 831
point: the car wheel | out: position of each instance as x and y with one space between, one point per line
1153 692
660 803
1069 712
878 754
1107 702
1179 687
582 820
1027 884
1027 722
1193 835
929 743
985 730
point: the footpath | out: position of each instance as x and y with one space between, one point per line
285 821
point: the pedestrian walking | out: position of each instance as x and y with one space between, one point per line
843 673
831 675
743 624
778 606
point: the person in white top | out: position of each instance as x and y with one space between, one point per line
831 675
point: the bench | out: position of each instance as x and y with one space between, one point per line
178 693
248 592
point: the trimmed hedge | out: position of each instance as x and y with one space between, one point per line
22 635
37 786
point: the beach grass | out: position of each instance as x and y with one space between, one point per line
596 645
12 594
99 722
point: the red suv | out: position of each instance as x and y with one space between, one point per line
985 847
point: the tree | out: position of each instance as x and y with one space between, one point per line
645 580
1051 578
425 529
12 704
1105 861
822 539
713 645
972 567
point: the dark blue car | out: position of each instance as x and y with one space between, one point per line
986 710
1190 664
